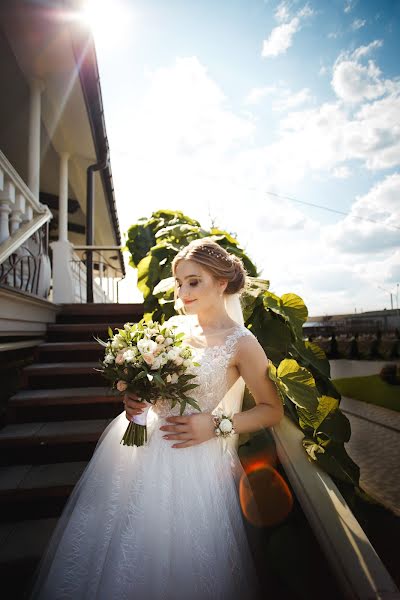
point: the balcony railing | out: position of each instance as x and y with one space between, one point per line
107 273
21 215
28 269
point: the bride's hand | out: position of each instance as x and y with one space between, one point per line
189 430
132 406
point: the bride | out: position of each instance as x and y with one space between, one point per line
163 521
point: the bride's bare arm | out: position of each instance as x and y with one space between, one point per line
252 365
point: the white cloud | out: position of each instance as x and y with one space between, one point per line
365 50
349 5
281 96
393 271
342 172
352 81
293 100
282 12
379 234
323 138
358 24
281 37
258 93
187 149
374 135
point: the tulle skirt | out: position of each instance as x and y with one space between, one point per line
154 522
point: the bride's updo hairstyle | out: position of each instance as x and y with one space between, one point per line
216 260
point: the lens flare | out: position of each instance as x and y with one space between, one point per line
265 497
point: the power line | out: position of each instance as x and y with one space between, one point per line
338 212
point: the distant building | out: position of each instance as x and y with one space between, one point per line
386 321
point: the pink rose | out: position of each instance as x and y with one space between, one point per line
119 359
148 358
121 385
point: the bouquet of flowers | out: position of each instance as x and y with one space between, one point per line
150 360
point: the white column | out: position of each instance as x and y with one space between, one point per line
7 201
63 279
17 213
63 198
37 88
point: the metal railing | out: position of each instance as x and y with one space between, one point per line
28 269
107 275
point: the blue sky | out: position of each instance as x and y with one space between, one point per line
211 105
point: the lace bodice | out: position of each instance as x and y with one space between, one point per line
211 376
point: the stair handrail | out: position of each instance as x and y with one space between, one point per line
40 212
360 571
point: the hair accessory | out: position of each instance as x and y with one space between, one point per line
219 255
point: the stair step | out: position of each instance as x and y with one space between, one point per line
54 375
80 331
100 312
21 547
63 404
37 491
50 442
92 395
69 351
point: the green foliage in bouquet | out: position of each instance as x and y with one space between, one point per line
150 360
300 369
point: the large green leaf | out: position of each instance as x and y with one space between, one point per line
311 355
272 333
148 269
338 463
313 419
291 307
299 384
296 311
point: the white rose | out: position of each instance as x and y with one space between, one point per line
160 338
156 364
129 356
172 354
168 341
225 426
163 358
187 362
178 361
146 346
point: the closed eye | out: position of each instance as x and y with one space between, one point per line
192 283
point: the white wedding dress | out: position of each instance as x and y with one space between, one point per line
155 522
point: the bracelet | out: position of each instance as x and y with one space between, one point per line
223 425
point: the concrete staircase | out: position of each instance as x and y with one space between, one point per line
53 425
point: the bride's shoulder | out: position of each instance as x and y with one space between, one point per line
245 338
244 332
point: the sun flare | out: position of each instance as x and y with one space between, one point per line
109 21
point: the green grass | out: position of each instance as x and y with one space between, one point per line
370 389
